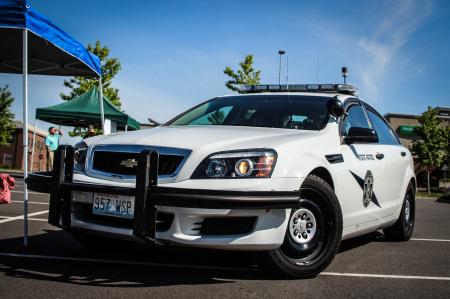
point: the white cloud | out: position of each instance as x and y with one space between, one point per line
372 53
393 31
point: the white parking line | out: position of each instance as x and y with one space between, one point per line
430 240
33 219
21 216
362 275
134 263
32 202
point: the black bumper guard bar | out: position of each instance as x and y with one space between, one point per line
59 184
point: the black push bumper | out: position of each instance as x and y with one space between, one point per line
59 184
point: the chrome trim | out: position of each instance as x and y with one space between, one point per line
130 148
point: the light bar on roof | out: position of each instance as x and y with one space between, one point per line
337 88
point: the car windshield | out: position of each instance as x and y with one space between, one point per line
271 111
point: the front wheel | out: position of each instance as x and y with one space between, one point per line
313 234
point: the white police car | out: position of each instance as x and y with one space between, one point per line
285 170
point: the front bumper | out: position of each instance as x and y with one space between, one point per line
188 207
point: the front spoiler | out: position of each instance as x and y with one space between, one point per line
59 184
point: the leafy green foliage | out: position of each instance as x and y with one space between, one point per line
79 85
217 117
6 116
110 67
431 148
246 75
83 132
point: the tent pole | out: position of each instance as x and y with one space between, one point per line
32 147
25 133
102 112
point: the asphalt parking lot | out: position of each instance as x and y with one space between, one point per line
54 265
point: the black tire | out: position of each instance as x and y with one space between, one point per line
317 250
97 242
404 226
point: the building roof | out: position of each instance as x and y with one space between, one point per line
443 112
39 131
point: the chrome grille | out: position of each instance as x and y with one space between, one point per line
119 162
116 163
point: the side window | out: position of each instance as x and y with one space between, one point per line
385 134
355 118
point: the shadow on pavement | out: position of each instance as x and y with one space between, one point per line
443 199
238 265
230 265
361 241
113 275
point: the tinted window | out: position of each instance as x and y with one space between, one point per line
385 134
355 118
215 117
273 111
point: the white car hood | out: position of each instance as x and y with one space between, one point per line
204 138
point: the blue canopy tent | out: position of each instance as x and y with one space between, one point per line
31 44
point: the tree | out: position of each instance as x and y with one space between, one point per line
110 67
246 75
431 148
217 117
6 116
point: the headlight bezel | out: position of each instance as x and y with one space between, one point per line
232 157
80 157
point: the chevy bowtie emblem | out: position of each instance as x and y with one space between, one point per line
130 163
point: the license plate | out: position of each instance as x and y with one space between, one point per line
113 205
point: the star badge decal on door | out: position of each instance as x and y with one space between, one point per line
366 185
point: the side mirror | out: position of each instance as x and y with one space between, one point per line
335 107
361 135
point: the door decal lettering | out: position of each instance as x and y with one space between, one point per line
365 157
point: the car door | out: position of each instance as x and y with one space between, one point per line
393 162
359 180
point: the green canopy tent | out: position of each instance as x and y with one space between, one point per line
84 111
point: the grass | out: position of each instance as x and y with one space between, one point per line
431 195
9 170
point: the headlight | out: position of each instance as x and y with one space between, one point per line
237 164
80 156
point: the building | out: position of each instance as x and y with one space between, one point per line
11 155
404 125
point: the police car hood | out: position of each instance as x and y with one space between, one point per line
206 138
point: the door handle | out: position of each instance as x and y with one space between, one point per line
379 156
403 154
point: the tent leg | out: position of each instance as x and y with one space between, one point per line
25 133
102 111
32 148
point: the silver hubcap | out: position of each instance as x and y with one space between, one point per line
302 226
407 211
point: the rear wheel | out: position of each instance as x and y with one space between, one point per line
313 235
97 242
403 228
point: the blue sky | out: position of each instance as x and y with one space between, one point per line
173 52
